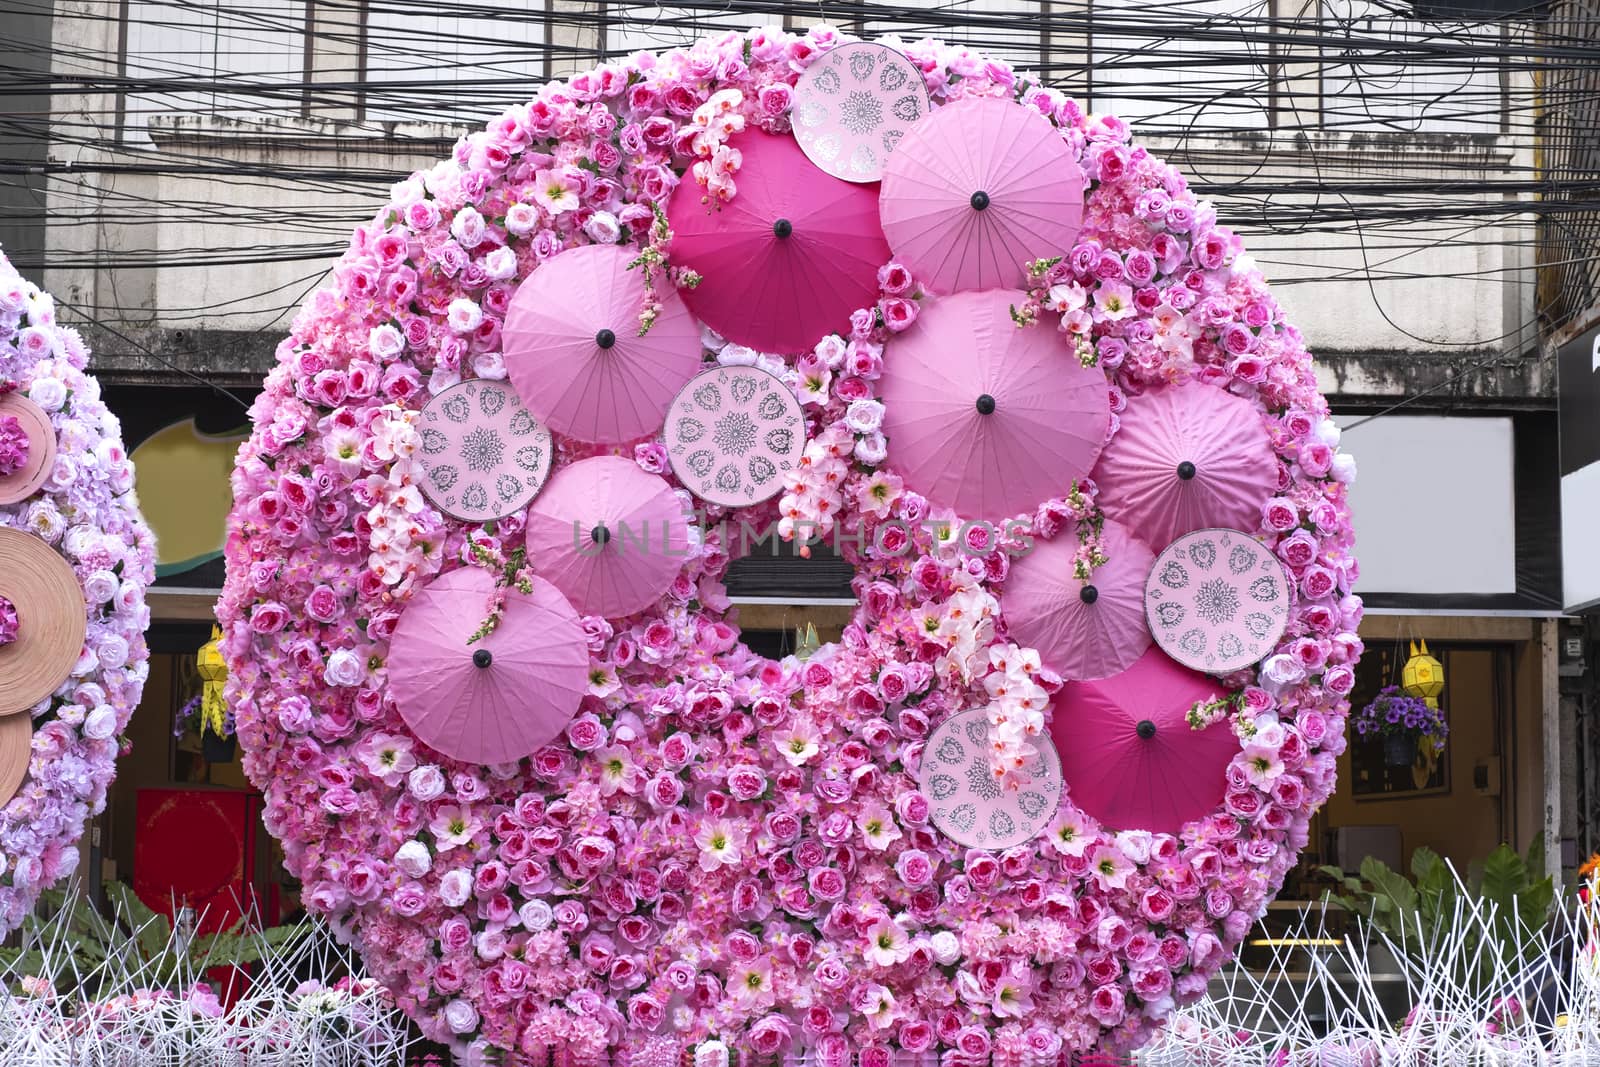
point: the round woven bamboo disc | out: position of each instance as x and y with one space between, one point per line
22 484
16 749
52 616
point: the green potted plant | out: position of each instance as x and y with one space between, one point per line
1414 912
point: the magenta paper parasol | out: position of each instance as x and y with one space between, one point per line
1083 630
853 104
733 433
1187 457
1218 600
483 455
1128 755
977 191
500 698
573 350
34 423
786 260
608 535
987 418
969 806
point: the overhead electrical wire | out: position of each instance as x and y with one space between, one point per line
1392 137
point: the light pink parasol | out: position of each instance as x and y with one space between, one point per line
987 418
608 535
483 455
853 104
573 350
1128 755
1083 630
502 697
787 260
733 435
1218 600
969 806
978 190
1187 457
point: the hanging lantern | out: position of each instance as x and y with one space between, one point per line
1423 676
806 642
213 672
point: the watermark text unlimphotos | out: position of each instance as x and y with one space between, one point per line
888 539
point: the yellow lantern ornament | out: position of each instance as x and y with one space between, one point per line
213 672
1423 675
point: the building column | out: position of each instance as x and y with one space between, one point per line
1550 733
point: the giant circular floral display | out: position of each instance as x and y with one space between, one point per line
74 564
722 846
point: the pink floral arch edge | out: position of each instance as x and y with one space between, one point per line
725 847
88 512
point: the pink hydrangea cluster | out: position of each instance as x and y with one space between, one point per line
88 512
13 446
724 847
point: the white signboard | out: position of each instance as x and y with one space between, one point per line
1578 367
1433 504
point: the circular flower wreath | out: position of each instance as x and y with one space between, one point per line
723 846
88 511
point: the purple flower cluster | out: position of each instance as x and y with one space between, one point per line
10 625
87 511
1394 714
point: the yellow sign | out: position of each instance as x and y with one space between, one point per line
182 476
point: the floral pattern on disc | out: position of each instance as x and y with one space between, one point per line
734 435
720 845
1217 600
852 107
85 510
969 805
483 456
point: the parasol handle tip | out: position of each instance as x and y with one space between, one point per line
482 658
782 228
1088 594
1187 470
980 200
985 404
1146 729
605 338
600 535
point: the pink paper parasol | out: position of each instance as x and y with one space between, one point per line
573 350
1083 630
1187 457
483 455
608 535
853 104
733 433
978 190
1217 600
502 697
1128 755
969 806
987 418
786 260
34 422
